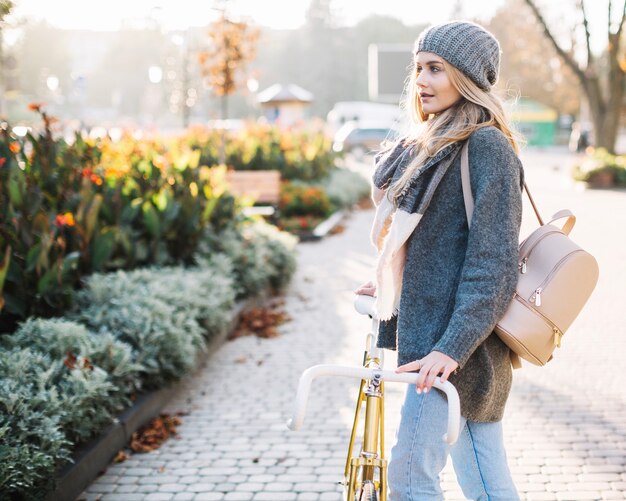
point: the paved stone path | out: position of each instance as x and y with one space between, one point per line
565 426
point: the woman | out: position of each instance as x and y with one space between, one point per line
440 286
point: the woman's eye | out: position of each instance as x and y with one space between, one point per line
434 69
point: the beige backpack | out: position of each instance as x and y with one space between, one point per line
556 278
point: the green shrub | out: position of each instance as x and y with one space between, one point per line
344 187
259 255
80 394
60 339
32 443
165 342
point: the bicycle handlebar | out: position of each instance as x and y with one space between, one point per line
304 386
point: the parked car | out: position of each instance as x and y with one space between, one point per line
360 138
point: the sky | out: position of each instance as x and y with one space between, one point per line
290 14
178 14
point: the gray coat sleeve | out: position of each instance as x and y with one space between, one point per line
489 272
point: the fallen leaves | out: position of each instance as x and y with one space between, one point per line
151 437
120 457
261 322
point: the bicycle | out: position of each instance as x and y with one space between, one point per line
365 474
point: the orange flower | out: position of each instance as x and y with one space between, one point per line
59 220
2 161
95 179
14 147
66 219
69 219
87 172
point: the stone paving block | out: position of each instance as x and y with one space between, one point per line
541 496
123 497
238 479
257 470
184 496
147 487
531 487
593 486
108 479
126 488
599 477
308 496
189 479
159 496
225 487
275 496
158 479
249 487
199 487
238 496
279 486
578 496
101 488
170 487
315 487
209 496
330 496
613 495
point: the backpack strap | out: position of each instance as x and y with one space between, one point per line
469 199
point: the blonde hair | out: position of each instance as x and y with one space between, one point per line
476 109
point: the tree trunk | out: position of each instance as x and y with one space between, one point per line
605 114
223 115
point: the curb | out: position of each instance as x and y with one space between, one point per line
90 459
325 227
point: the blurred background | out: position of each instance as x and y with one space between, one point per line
148 64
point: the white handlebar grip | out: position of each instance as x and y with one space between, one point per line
304 386
365 305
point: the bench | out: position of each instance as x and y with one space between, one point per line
262 185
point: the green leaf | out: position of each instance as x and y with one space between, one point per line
91 217
70 263
32 257
161 199
4 267
15 188
101 248
151 219
49 279
209 208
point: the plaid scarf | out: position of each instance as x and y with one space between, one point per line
393 227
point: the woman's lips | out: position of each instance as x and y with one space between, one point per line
425 96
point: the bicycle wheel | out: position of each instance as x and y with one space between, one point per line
368 493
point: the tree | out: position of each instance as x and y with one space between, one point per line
547 80
602 81
232 47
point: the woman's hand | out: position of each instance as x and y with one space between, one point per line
368 289
429 367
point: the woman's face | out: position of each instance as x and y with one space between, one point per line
435 90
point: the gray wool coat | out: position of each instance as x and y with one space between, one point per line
457 282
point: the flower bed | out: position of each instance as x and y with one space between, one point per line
601 169
64 380
303 206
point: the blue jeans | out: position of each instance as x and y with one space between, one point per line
420 454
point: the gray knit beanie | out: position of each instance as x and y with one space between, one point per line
467 46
